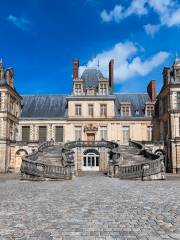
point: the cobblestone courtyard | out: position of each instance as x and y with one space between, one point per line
89 207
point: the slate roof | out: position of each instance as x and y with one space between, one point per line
137 101
91 77
44 106
54 105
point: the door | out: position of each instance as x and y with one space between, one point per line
90 137
90 162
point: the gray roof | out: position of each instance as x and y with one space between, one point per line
44 106
54 105
91 77
137 101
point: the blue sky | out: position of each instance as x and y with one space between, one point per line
40 39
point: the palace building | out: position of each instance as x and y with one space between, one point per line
91 112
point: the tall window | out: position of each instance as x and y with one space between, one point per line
103 89
77 88
91 110
126 134
103 110
42 134
103 132
149 111
25 133
178 100
78 133
125 111
0 101
149 133
59 134
78 109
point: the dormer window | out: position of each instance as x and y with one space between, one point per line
177 74
78 88
103 89
125 110
137 112
149 110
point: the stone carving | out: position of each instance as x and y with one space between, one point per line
90 128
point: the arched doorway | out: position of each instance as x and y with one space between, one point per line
18 158
90 160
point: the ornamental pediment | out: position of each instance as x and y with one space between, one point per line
90 128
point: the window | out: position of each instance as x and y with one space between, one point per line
77 88
78 133
126 134
149 111
0 101
178 100
91 110
149 133
42 134
103 110
136 112
59 134
103 132
177 74
125 111
25 133
103 89
78 110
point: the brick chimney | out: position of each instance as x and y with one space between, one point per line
111 74
75 69
151 90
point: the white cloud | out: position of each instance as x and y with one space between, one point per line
151 29
22 22
127 62
167 10
137 7
114 15
118 13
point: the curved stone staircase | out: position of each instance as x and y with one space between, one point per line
52 161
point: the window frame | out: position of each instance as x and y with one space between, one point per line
25 139
103 110
91 110
78 109
45 139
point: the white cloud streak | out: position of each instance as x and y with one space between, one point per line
127 62
167 10
21 22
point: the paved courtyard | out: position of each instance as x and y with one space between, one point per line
89 207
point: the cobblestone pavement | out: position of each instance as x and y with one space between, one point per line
89 207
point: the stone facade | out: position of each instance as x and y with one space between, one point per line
92 112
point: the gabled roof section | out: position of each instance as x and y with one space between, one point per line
137 101
91 77
44 106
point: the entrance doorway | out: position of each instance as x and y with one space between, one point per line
90 137
90 162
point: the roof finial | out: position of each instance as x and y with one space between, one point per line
98 64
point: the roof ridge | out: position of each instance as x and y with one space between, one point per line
131 93
45 94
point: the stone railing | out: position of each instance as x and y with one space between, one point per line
32 169
103 143
152 168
